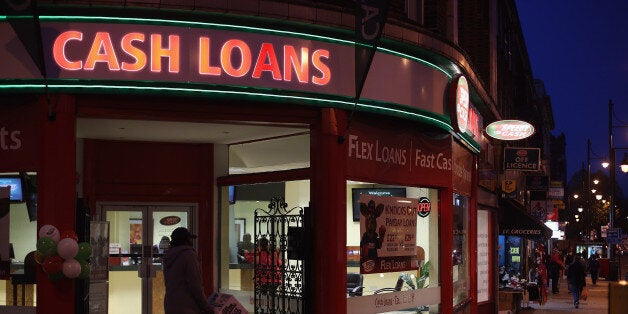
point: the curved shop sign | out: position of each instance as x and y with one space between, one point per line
208 57
510 130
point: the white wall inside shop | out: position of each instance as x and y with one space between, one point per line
21 231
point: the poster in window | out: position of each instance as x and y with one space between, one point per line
388 233
99 239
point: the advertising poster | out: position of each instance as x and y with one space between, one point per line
483 271
388 233
99 239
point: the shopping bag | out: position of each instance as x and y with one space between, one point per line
584 294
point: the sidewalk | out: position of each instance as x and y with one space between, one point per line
597 302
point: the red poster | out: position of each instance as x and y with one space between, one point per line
398 153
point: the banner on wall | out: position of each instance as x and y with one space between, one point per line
388 233
396 153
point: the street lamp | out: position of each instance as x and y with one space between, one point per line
611 153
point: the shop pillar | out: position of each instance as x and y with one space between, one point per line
329 229
56 190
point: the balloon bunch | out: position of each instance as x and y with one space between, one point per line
60 255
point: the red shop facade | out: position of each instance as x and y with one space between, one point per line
154 125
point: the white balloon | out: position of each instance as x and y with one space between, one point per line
49 231
67 248
71 268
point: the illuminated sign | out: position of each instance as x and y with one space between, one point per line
459 103
510 130
210 57
139 51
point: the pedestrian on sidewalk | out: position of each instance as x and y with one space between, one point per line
594 267
576 277
556 266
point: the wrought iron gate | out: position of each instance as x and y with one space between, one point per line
279 270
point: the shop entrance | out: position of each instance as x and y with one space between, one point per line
138 237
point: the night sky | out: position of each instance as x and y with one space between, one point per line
579 49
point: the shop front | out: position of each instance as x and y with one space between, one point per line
242 134
521 246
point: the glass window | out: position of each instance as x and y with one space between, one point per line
401 237
18 231
239 204
460 252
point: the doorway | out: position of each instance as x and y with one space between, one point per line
139 235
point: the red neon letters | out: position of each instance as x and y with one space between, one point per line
236 57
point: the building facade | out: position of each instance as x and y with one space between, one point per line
232 118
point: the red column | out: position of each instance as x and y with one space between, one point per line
329 234
56 182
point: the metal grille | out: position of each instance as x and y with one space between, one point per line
279 270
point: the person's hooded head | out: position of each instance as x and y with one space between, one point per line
181 236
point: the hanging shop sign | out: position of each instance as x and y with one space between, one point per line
388 233
522 159
510 130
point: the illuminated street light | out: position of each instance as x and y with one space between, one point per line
605 164
598 197
575 196
580 209
624 164
593 191
596 181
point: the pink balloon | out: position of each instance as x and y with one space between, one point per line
71 268
49 231
67 248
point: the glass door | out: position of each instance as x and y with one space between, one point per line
139 236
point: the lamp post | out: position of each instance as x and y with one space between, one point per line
624 166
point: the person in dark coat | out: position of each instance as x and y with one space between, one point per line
555 267
576 277
182 276
594 267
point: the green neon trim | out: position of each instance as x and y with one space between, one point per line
341 103
434 120
192 23
407 56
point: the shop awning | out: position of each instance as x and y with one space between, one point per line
515 221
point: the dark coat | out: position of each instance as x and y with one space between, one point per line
184 283
576 273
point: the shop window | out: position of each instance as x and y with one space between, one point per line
460 253
389 241
238 206
18 230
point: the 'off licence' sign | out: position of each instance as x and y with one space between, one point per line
522 159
